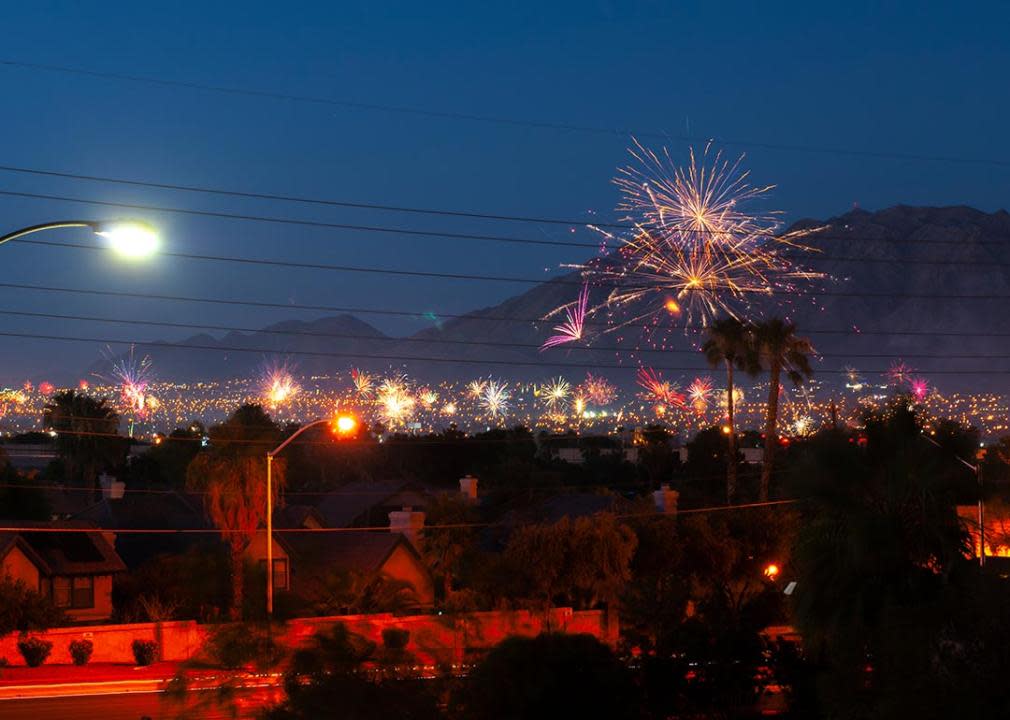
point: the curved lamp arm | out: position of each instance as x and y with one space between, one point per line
47 226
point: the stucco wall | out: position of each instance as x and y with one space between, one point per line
19 567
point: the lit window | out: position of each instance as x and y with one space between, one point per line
61 592
84 592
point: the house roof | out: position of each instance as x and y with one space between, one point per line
352 501
69 553
297 516
358 552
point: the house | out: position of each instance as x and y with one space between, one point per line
73 568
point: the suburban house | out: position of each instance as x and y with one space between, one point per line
73 568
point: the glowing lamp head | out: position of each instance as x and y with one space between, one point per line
726 429
129 238
771 571
345 425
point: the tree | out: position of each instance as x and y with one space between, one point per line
232 475
444 548
730 343
87 435
24 610
780 350
548 676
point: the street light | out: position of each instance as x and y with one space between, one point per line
130 238
344 426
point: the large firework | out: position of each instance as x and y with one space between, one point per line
657 389
495 398
699 393
571 329
363 383
598 390
695 251
277 384
396 404
554 393
132 375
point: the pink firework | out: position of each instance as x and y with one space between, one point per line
919 388
46 388
899 373
657 389
571 329
699 391
598 390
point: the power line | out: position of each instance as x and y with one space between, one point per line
358 269
481 237
413 358
461 316
449 341
492 119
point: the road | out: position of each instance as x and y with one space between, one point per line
131 706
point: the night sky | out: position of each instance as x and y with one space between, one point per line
925 79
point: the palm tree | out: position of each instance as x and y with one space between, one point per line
780 350
86 435
232 476
730 343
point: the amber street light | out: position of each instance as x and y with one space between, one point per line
343 426
130 238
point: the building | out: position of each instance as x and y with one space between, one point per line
74 569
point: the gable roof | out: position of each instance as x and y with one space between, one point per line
70 553
358 552
350 502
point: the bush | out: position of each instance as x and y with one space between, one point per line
143 651
395 638
34 650
80 651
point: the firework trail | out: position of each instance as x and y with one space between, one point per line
598 390
495 398
571 329
694 253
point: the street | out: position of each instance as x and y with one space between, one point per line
133 706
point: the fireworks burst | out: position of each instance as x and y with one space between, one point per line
695 252
919 387
363 383
571 329
699 392
428 398
133 376
899 373
476 388
396 404
598 390
657 389
277 385
495 398
555 392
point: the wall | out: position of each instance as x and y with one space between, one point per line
433 638
404 565
19 567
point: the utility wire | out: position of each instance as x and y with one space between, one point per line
811 254
491 119
448 341
472 277
412 358
461 316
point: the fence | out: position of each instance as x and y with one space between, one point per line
433 638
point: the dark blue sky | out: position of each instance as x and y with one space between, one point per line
921 78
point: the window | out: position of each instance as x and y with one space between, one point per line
62 596
84 592
280 572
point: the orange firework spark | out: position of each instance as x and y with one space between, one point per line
598 390
694 247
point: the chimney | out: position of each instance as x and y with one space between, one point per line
468 486
112 489
409 522
666 500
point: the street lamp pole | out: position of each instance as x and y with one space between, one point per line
270 511
977 469
127 237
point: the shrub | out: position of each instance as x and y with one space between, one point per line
240 644
80 651
395 638
143 651
34 650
